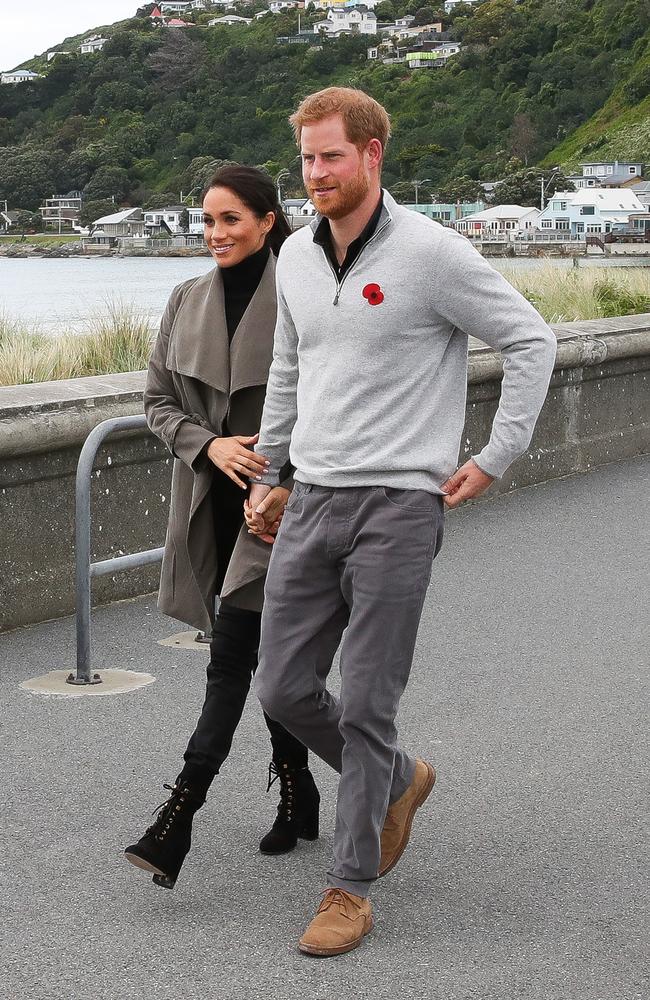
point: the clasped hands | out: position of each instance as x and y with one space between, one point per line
264 508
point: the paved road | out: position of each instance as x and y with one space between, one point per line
526 876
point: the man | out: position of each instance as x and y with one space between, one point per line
366 396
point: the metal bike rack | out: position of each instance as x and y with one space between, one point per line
85 570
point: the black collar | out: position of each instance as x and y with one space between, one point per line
323 236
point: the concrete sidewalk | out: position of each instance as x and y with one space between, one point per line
527 873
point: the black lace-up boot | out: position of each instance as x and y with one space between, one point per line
164 845
298 809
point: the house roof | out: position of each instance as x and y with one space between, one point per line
501 212
116 218
607 199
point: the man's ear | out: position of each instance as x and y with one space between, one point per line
374 153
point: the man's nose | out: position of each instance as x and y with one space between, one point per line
319 168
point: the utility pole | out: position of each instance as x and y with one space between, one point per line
417 185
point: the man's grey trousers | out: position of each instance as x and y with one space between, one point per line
355 559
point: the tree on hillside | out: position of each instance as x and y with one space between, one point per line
107 182
93 210
523 137
176 64
524 187
424 15
462 188
163 200
385 11
28 175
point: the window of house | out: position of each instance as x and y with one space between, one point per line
563 224
589 171
610 170
632 170
547 223
587 210
593 229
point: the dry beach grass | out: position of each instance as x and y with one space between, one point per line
117 341
565 295
120 339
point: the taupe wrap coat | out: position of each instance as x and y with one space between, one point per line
200 386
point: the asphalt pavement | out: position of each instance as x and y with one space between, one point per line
527 873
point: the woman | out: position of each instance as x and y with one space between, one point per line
204 397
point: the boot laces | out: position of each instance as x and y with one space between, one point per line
285 774
167 811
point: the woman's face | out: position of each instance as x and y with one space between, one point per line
232 231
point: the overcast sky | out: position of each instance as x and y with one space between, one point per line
28 27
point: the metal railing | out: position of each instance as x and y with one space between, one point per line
85 570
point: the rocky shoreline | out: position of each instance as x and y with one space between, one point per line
76 249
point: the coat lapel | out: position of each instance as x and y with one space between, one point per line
199 346
198 343
251 350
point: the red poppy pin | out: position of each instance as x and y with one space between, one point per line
373 293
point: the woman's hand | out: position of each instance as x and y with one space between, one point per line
231 455
270 514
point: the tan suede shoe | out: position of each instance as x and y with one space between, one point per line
341 922
399 818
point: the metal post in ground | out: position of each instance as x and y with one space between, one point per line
84 569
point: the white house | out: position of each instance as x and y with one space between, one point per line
62 212
128 222
229 19
450 4
19 76
340 21
499 222
175 7
589 211
277 6
169 220
298 207
92 44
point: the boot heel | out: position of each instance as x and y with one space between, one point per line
309 829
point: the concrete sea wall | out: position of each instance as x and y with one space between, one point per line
596 412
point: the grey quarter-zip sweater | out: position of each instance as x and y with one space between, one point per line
369 376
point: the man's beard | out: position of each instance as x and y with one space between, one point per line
348 197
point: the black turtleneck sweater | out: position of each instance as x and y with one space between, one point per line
240 284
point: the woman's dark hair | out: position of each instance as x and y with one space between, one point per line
257 190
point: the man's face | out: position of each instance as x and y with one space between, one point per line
336 174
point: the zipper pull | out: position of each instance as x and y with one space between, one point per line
336 297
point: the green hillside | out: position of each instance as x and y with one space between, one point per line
621 129
150 114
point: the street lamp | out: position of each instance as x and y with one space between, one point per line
280 176
417 185
545 184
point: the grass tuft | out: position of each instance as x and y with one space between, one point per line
562 296
119 341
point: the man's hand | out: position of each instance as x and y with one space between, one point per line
256 520
231 455
467 482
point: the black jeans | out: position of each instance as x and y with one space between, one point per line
233 661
